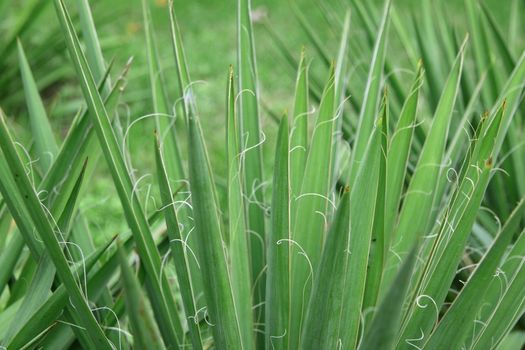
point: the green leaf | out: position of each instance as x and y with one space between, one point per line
427 39
7 316
208 236
15 203
188 107
362 211
179 249
299 134
45 144
511 93
46 316
317 43
238 235
459 142
339 281
145 332
341 95
322 327
456 225
514 340
502 306
278 253
171 154
5 225
510 306
183 76
20 286
371 30
10 254
378 250
374 80
217 285
481 54
381 334
50 241
45 274
500 42
93 50
398 154
453 328
158 288
312 206
419 196
79 144
250 136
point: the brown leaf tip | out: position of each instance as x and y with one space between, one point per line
489 163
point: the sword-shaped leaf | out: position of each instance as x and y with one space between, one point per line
158 288
334 312
45 143
251 148
145 332
453 328
381 334
372 95
278 253
216 277
419 196
238 235
179 250
446 249
47 235
312 206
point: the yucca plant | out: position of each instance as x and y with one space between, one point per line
388 219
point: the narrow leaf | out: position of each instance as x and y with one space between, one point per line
278 254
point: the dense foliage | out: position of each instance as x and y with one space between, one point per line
390 215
